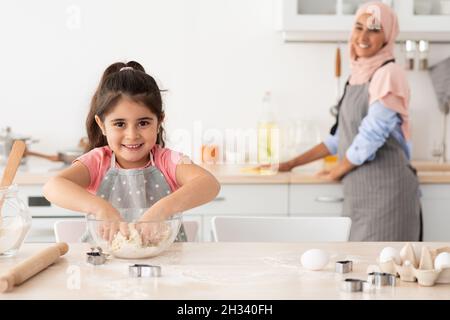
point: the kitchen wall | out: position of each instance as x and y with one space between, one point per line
216 58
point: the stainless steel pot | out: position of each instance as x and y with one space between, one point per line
7 139
67 156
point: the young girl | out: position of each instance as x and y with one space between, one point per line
381 190
127 167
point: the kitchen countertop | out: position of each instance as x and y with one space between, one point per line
205 271
38 171
427 171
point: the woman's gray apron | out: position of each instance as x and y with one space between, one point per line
380 196
132 191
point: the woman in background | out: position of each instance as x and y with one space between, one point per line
381 189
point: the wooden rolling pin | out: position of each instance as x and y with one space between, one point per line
31 266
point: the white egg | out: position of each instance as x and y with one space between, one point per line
314 259
390 253
442 261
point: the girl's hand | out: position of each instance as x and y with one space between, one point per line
153 233
109 229
152 228
111 222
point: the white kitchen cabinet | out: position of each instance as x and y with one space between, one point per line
247 199
311 20
415 24
436 212
326 200
242 199
322 200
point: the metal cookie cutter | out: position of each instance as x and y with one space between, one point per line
96 256
381 279
351 285
344 266
144 270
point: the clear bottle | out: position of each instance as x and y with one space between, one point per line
268 136
15 221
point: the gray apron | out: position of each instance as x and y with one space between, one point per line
380 196
132 191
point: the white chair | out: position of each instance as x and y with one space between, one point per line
69 230
280 229
72 230
191 229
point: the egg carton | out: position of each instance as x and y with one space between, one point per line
411 269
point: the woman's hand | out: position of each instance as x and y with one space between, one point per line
335 174
326 175
282 166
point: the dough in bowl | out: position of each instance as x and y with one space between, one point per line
132 247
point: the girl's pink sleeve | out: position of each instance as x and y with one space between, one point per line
167 160
97 161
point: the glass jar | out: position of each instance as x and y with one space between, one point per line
15 221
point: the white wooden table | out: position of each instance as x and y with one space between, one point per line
215 271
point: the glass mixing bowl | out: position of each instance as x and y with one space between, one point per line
134 240
15 221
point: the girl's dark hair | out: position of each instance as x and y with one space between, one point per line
131 82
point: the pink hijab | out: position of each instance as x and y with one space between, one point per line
389 84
